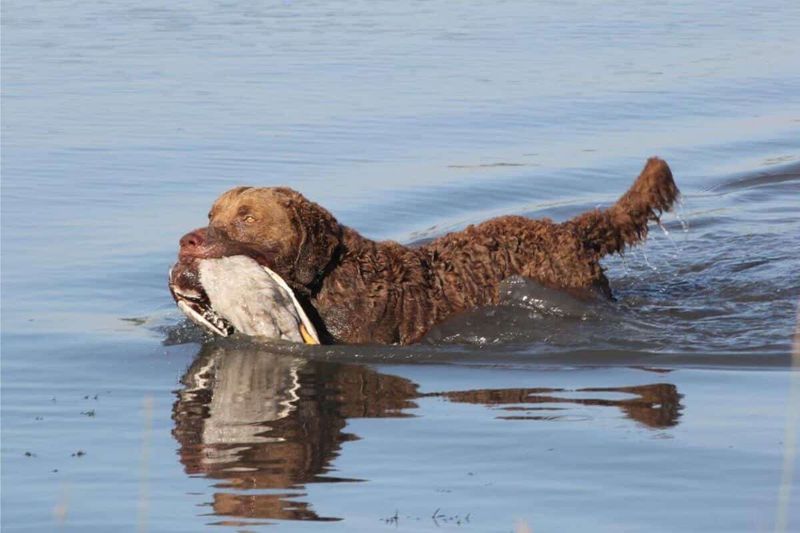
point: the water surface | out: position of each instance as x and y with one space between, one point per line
669 409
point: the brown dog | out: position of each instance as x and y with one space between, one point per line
360 291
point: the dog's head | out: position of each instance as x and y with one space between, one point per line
217 281
278 227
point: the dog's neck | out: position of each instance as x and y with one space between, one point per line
390 279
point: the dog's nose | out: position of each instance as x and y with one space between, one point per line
192 242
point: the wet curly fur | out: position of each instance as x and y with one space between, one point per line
362 291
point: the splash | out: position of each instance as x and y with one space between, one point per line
679 215
647 260
667 234
624 263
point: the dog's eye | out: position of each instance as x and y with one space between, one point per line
209 215
249 219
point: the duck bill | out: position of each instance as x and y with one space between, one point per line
307 336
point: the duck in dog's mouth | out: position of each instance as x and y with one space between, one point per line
237 294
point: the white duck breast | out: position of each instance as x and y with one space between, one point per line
254 299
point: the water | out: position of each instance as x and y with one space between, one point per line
121 124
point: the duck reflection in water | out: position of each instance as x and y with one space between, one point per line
258 420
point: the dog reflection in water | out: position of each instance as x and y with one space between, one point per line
257 420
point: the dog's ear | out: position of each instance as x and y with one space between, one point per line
319 235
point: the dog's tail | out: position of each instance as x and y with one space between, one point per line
625 223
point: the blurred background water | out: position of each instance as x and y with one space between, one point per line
121 123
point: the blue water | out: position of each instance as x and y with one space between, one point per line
121 123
